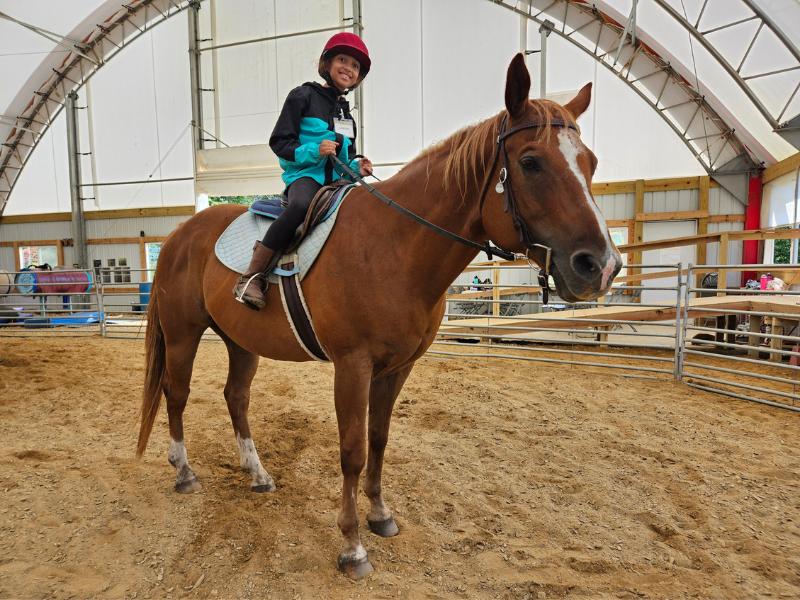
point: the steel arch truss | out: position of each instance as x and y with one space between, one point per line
760 38
102 42
709 136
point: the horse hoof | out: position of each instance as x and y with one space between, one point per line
189 486
354 569
385 528
262 488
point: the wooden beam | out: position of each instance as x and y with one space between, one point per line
673 183
677 215
131 213
17 265
724 219
29 243
127 240
722 259
780 169
95 215
613 187
620 223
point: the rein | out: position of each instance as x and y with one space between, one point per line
503 185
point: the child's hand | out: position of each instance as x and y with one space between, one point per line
365 167
327 148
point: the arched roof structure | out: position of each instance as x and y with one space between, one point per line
107 30
761 60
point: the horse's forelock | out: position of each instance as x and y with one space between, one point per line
467 152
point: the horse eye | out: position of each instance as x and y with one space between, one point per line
530 163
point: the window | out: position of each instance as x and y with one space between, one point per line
37 255
619 235
151 251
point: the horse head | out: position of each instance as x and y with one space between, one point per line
542 180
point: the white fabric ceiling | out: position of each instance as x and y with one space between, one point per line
439 64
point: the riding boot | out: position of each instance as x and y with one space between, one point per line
250 288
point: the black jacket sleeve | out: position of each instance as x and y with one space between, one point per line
285 138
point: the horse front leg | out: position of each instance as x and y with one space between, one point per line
382 395
351 395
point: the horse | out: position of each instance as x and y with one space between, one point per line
377 290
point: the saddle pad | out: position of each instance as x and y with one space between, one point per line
234 248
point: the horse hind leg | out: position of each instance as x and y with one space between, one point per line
242 366
180 356
382 395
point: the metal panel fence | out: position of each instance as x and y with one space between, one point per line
657 321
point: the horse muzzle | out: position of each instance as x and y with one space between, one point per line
585 275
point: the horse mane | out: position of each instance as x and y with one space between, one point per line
468 151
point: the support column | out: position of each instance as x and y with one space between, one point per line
81 256
358 29
194 80
544 31
752 218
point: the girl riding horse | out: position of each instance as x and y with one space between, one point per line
315 124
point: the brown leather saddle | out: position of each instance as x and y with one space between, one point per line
320 205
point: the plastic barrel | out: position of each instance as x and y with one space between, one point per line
26 282
144 292
6 282
55 282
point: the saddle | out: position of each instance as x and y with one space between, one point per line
235 246
318 211
234 249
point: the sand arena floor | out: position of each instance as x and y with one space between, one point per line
508 480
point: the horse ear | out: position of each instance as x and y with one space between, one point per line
518 85
578 105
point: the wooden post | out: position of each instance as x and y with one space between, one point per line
16 256
142 260
722 259
702 224
496 289
776 343
60 252
638 232
754 339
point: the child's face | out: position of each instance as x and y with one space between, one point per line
344 71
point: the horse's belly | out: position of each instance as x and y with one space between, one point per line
265 332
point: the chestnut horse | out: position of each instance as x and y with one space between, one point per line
377 291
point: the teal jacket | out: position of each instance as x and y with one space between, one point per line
306 119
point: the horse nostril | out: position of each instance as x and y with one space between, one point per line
586 265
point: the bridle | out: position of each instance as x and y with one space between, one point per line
503 186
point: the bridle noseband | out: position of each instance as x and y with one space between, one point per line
503 185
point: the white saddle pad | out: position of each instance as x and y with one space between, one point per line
234 248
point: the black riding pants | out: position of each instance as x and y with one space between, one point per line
300 193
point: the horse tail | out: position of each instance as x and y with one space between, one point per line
155 369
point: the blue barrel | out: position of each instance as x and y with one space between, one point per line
144 292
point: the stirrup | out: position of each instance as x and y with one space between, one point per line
244 284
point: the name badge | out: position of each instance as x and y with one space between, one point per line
345 127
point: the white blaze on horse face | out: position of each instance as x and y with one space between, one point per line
569 144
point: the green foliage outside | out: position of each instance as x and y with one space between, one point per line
782 251
214 200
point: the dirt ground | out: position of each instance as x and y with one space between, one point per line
508 480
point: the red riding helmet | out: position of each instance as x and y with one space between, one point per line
352 45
